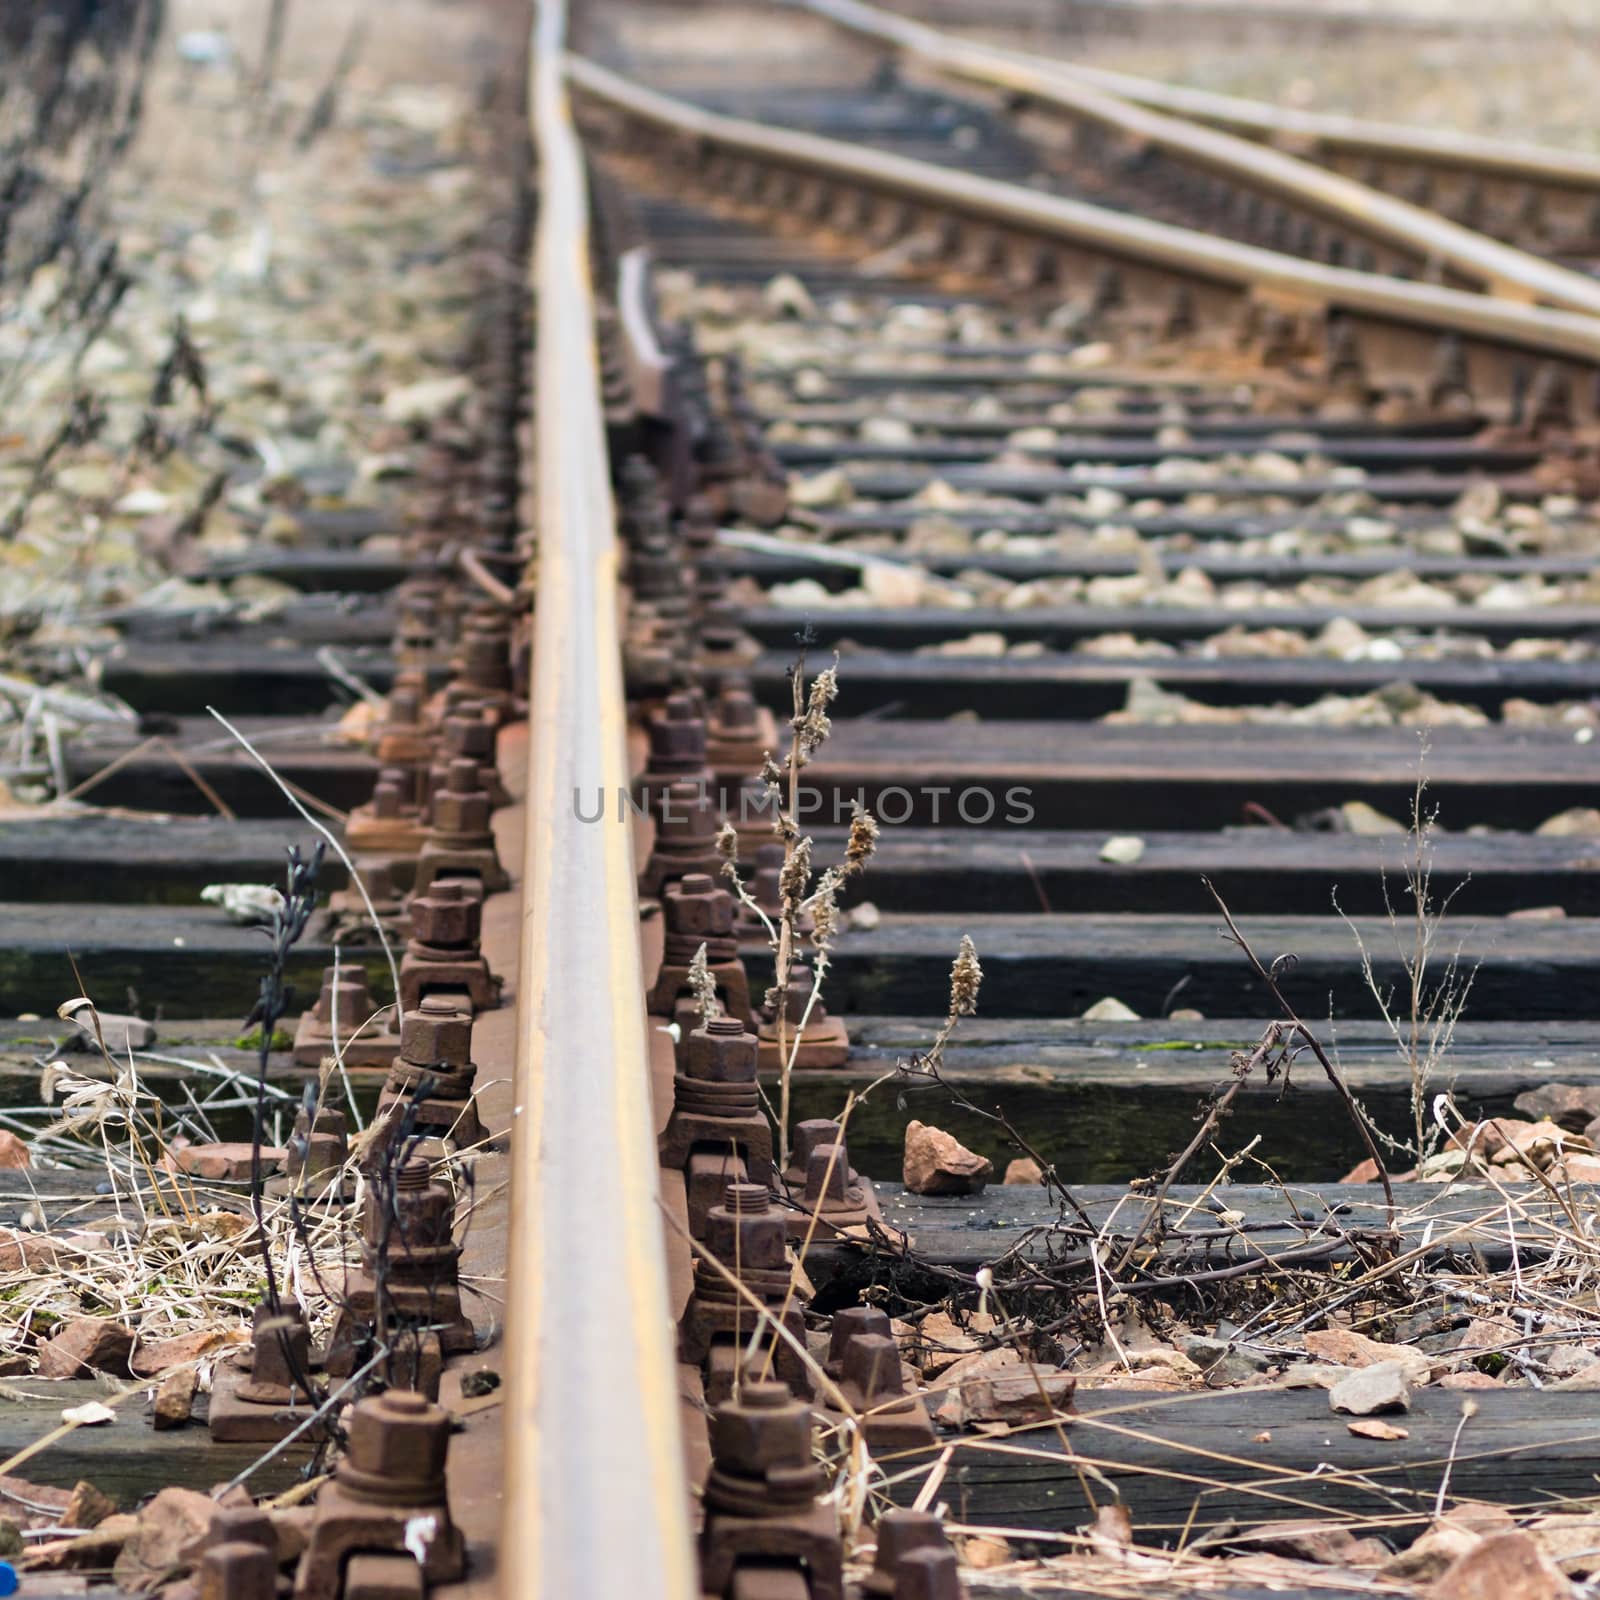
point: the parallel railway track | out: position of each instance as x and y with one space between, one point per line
1146 555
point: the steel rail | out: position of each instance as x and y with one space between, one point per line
1334 133
1181 251
1498 269
595 1498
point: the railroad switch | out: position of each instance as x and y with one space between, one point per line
442 952
825 1186
271 1401
697 912
717 1133
823 1042
435 1045
460 836
914 1560
864 1360
761 1498
345 998
686 837
409 1255
387 1495
750 1239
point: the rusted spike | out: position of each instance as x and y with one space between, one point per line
1451 384
1343 363
1517 405
1549 407
1107 294
1419 188
1180 313
1528 221
1276 333
1470 207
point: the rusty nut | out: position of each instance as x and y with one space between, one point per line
722 1052
461 813
696 907
436 1034
446 916
765 1428
751 1236
401 1437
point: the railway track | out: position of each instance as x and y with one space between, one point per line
936 587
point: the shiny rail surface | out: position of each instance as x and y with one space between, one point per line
595 1502
1183 252
1424 235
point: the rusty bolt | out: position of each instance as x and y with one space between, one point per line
852 1323
346 988
913 1543
397 1450
812 1132
463 804
423 1213
404 706
436 1034
468 733
237 1571
678 735
388 800
827 1176
736 708
684 813
243 1525
744 1231
872 1364
722 1051
696 907
765 1428
446 916
930 1574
